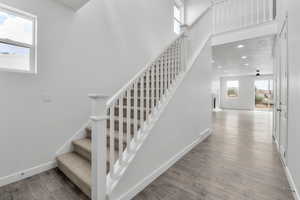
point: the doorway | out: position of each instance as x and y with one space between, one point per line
264 95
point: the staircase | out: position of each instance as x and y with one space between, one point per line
127 117
119 125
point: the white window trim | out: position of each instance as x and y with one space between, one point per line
179 21
32 47
238 92
180 6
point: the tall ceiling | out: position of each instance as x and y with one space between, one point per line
244 57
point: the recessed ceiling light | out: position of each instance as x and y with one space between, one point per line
219 67
240 46
246 64
212 61
244 57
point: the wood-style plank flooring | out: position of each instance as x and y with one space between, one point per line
238 162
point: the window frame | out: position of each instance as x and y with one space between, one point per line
32 47
238 89
179 6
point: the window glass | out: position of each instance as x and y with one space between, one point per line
17 40
177 13
232 88
176 27
14 57
16 28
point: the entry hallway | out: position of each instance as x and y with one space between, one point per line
238 162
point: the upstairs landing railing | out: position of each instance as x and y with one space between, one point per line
230 15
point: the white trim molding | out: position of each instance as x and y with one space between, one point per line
292 184
164 167
288 174
15 177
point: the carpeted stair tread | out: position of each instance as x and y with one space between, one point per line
83 147
77 169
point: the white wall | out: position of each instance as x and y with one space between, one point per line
194 8
189 109
97 49
246 98
293 161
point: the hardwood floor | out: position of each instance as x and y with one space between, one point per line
238 162
50 185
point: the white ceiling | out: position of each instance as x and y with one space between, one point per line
228 61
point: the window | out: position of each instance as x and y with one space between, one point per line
264 94
17 40
232 89
177 18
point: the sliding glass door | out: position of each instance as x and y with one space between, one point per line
264 94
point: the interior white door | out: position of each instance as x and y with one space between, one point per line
282 107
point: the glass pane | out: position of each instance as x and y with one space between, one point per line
232 88
262 85
264 94
176 27
14 57
15 28
177 13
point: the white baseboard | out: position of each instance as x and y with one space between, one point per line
292 183
164 167
26 173
287 172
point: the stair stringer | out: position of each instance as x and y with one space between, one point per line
121 168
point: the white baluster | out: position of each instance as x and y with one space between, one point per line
217 18
241 13
264 10
98 118
174 62
247 12
178 56
121 132
128 118
152 89
135 111
271 10
214 19
148 79
112 140
169 68
158 65
227 14
257 11
142 101
165 73
161 75
252 12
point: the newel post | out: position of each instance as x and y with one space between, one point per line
98 118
